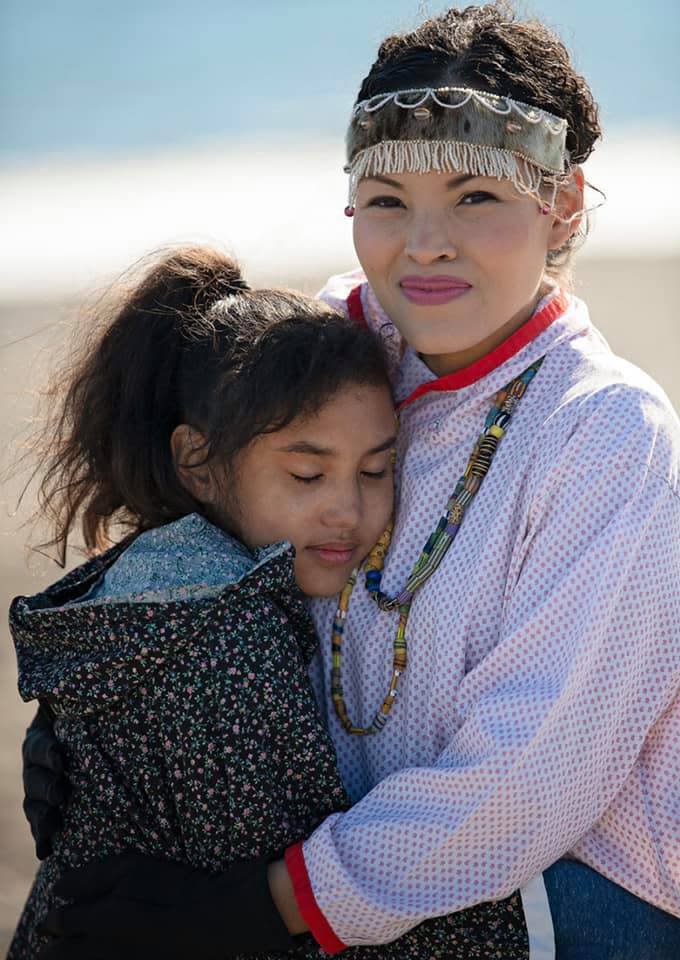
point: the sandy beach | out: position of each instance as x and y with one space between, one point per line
631 300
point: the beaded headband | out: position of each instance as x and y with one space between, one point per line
452 129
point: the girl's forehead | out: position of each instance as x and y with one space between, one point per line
354 409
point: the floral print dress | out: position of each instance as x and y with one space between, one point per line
176 667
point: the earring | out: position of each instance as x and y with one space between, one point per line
349 211
546 209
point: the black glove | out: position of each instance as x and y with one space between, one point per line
45 786
136 907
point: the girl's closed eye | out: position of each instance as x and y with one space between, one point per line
301 478
368 474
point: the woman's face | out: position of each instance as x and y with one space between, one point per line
324 483
457 262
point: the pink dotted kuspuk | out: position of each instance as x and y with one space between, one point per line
539 715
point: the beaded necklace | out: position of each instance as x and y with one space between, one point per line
432 554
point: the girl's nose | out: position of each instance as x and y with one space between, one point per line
343 511
429 240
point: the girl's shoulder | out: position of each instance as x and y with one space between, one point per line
85 643
186 559
190 557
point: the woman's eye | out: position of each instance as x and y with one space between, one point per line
385 203
374 475
301 479
477 196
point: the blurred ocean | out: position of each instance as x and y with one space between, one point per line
90 76
71 224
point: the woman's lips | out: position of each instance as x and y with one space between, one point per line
333 554
430 291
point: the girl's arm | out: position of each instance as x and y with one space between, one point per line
283 896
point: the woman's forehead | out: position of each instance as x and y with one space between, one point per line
433 180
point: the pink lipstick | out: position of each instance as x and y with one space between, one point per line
432 291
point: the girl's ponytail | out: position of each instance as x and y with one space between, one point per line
187 343
105 455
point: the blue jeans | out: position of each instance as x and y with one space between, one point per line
595 919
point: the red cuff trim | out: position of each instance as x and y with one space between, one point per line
309 909
355 308
499 355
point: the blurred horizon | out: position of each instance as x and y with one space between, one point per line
73 226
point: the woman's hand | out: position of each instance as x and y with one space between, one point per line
45 786
133 906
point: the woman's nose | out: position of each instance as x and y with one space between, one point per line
429 240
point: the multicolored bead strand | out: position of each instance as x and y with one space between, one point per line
432 554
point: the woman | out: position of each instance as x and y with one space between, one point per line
535 714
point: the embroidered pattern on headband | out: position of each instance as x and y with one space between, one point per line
503 106
454 129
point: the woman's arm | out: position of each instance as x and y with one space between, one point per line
553 720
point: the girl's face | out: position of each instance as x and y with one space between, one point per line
324 483
457 262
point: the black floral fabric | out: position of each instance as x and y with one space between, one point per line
191 733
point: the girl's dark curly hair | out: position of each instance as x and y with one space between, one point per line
186 342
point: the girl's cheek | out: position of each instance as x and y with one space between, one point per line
382 504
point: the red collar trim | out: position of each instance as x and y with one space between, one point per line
504 351
355 308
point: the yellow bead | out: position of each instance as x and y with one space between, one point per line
496 431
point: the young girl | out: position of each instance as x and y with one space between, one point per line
535 635
219 425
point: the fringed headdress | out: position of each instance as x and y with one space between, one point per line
455 129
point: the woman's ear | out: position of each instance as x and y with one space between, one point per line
189 447
568 210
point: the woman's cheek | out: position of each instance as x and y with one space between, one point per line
363 245
510 237
374 241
